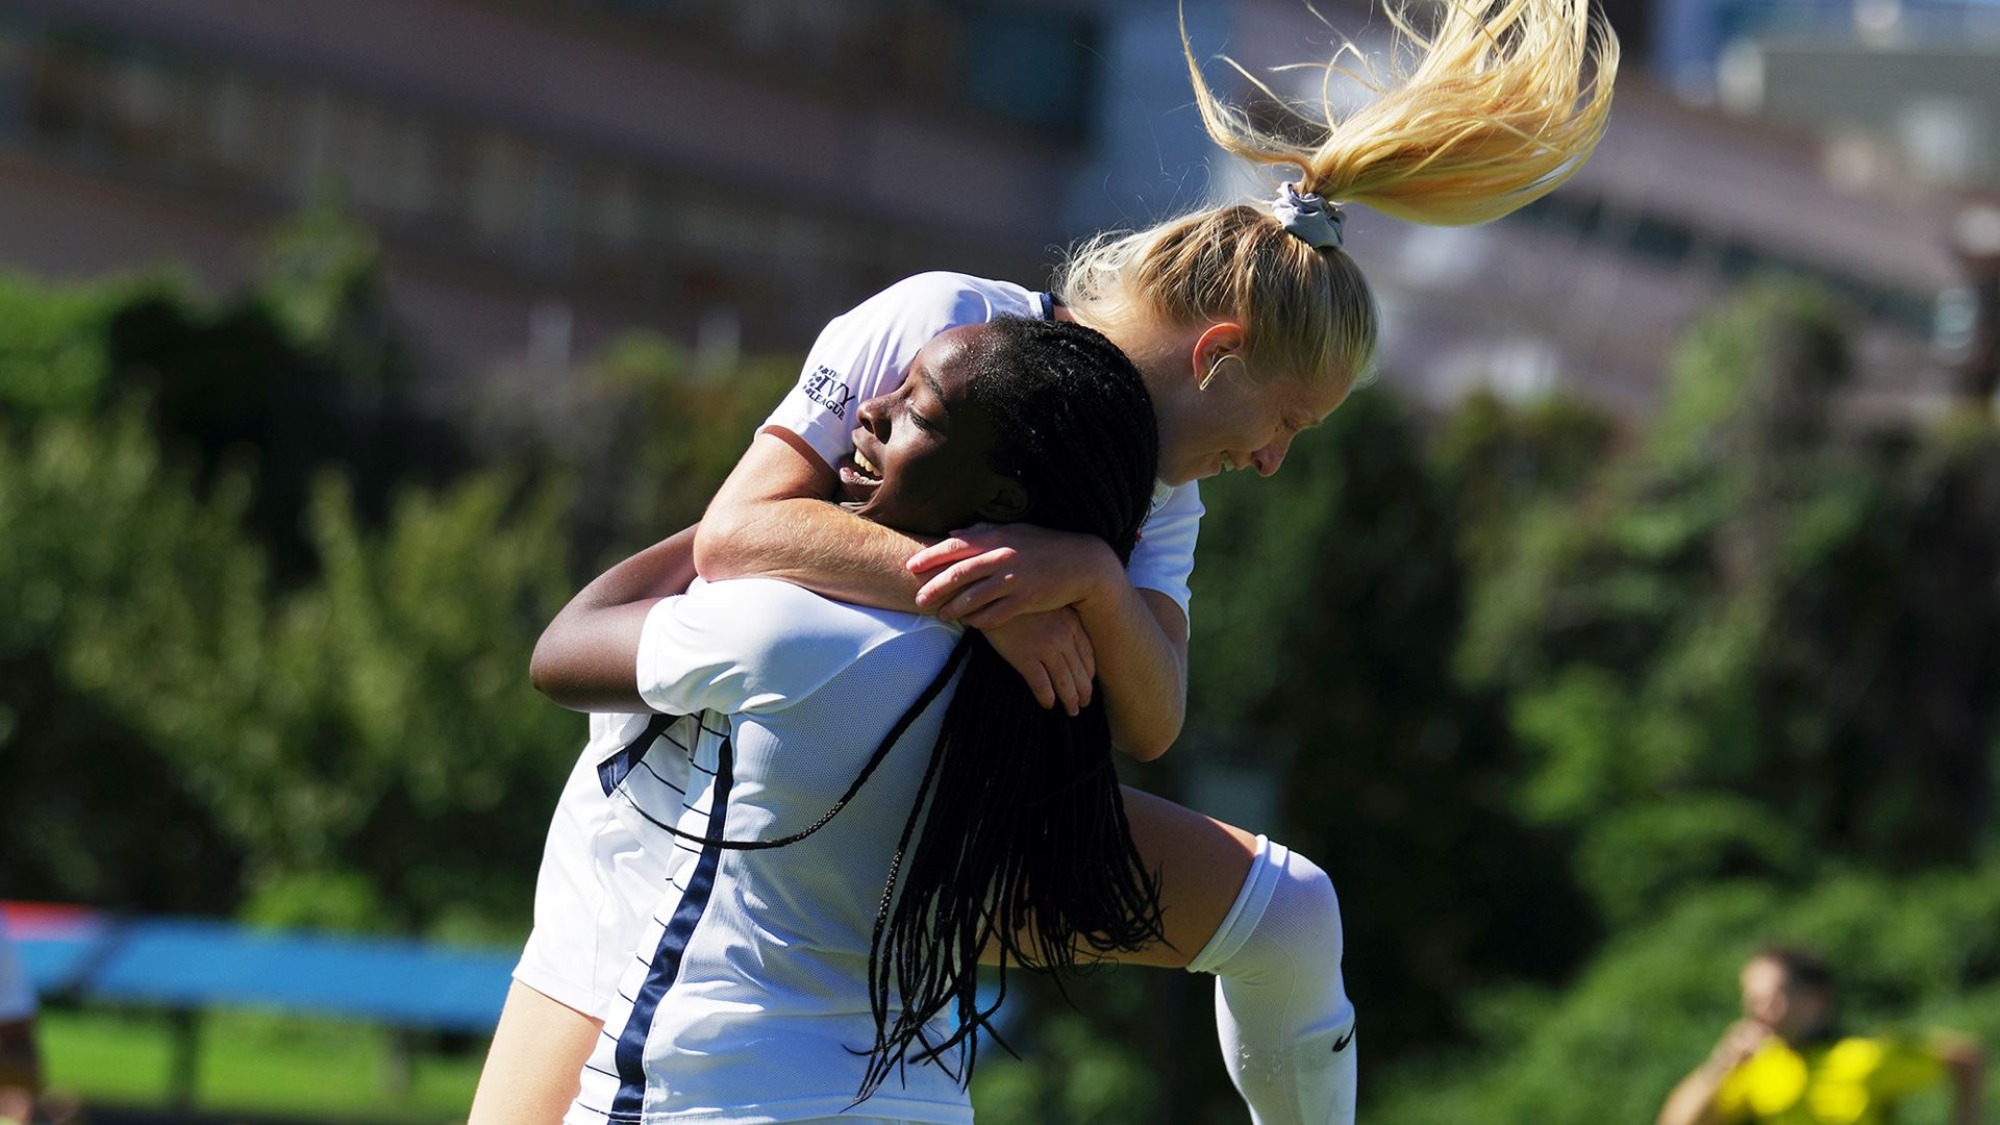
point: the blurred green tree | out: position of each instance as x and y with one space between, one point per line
247 575
1737 608
1751 663
1330 604
95 532
1571 718
1608 1047
1327 612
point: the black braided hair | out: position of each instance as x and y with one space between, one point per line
1020 833
1021 837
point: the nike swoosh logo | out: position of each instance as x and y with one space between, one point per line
1341 1043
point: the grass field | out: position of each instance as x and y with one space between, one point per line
260 1064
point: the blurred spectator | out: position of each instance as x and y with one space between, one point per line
1786 1061
20 1065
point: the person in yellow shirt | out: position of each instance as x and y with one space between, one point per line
1786 1062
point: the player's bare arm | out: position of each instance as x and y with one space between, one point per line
1692 1101
585 657
771 519
989 576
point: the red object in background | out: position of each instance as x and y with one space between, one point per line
32 921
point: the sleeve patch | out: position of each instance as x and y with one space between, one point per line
825 386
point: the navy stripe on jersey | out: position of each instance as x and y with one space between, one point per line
659 777
612 770
630 1103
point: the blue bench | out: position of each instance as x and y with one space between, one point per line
185 965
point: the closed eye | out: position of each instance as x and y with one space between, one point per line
924 423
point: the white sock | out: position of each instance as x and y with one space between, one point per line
1286 1024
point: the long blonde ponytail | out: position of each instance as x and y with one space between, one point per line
1490 109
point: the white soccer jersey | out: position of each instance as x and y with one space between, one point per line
866 352
748 999
597 882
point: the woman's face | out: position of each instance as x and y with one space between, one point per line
923 453
1766 992
1235 418
1243 422
1771 997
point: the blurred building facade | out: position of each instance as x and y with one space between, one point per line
1686 199
554 169
1689 40
548 173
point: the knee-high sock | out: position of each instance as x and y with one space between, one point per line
1286 1024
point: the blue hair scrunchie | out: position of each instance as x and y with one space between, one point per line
1309 217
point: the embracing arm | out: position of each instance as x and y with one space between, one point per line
1141 641
770 519
991 576
586 659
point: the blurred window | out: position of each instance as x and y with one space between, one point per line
503 188
1732 258
557 212
1736 259
16 78
611 208
1662 239
231 129
152 113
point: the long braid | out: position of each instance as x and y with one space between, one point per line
1022 840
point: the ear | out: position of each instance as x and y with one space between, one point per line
1006 501
1223 338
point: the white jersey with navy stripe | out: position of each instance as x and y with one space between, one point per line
747 999
598 882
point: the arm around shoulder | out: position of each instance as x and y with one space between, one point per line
1145 675
1140 638
771 519
990 575
587 658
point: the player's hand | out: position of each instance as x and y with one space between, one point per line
1052 653
987 574
1738 1044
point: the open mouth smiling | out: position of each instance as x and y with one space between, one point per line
859 478
866 468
